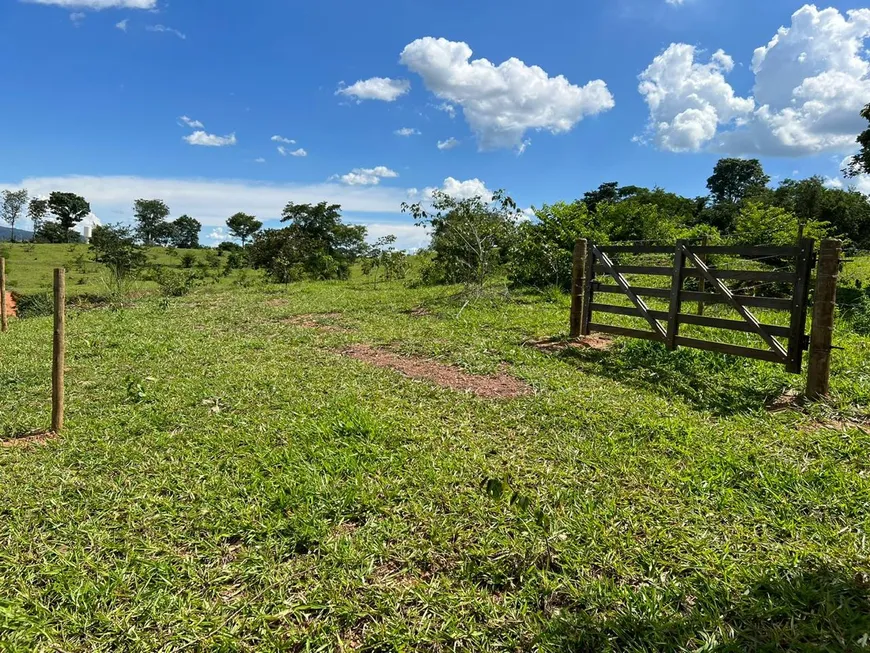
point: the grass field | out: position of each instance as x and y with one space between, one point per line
229 480
30 267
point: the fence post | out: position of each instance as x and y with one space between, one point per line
824 301
702 287
578 287
4 319
587 290
59 350
676 289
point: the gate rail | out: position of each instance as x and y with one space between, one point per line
691 261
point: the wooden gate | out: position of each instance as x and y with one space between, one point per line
784 345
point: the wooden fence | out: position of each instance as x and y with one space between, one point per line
598 273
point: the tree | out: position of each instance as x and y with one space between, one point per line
36 211
163 234
186 232
859 164
115 247
70 209
150 217
542 254
734 180
383 256
51 232
470 237
243 226
315 245
11 206
759 224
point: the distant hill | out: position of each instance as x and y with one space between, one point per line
20 234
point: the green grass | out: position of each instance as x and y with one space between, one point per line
228 481
30 267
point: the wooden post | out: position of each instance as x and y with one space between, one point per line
702 287
57 362
4 319
676 289
578 287
798 325
587 290
819 375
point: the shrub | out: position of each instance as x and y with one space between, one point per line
36 305
317 245
114 246
470 238
188 260
758 224
175 283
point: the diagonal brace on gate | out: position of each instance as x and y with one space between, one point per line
723 290
639 304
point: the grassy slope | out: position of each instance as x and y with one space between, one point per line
228 481
29 267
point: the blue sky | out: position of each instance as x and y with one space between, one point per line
121 99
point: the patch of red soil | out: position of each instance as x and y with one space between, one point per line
40 438
10 304
558 345
502 386
420 311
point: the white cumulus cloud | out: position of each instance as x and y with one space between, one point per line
283 151
376 88
407 131
281 139
448 144
502 102
811 81
689 100
367 176
190 122
461 190
210 140
122 25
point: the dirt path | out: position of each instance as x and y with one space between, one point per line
502 386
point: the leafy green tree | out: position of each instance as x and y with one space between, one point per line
186 232
543 251
382 256
150 216
317 244
759 224
115 247
164 234
51 232
846 210
36 211
11 206
69 209
859 164
470 237
243 226
734 180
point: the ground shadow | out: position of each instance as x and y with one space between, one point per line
820 610
723 385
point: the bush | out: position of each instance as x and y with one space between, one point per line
470 238
175 283
36 305
188 260
317 245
